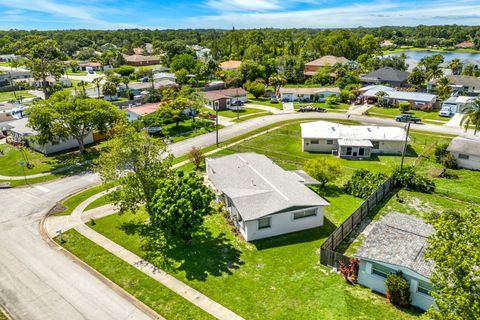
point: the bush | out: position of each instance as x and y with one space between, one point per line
449 161
350 272
403 107
363 183
124 71
440 152
410 179
398 290
331 100
322 169
196 156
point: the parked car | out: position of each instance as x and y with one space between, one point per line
407 118
311 108
321 109
154 131
237 103
445 112
273 99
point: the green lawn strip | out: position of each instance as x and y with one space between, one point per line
251 116
103 200
158 297
336 107
393 112
72 202
263 101
234 114
277 278
10 95
77 73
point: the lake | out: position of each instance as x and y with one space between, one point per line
448 55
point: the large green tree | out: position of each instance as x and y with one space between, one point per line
471 115
63 116
456 277
180 204
137 162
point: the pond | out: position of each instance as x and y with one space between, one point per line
448 55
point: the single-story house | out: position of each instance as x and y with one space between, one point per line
396 243
160 69
387 75
138 50
223 99
87 66
164 79
139 60
465 45
135 113
7 57
352 142
475 63
7 76
230 65
393 97
307 94
466 150
19 132
314 66
66 83
456 104
467 84
386 43
263 199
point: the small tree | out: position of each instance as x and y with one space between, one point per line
440 152
323 169
109 89
256 88
398 290
331 100
181 76
403 106
180 205
350 272
410 179
196 156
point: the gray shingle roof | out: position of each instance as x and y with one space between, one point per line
258 187
466 81
386 74
467 145
399 239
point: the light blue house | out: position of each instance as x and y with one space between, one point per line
396 243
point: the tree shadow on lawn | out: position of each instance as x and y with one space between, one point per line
309 235
206 255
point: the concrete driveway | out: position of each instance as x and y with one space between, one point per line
39 282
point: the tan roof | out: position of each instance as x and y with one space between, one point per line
327 60
309 90
90 64
138 58
465 44
144 109
224 93
230 64
138 50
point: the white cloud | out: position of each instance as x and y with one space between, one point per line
243 5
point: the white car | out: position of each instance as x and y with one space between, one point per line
445 112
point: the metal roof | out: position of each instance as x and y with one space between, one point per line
466 145
258 187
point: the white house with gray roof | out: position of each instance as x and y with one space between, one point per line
393 97
396 243
467 151
263 199
352 142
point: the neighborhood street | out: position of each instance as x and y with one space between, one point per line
38 282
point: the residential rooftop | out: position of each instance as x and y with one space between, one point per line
400 240
309 90
466 145
327 61
399 95
223 93
230 64
145 109
258 187
387 74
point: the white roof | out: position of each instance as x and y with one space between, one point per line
332 130
20 126
467 145
400 95
355 143
378 88
459 99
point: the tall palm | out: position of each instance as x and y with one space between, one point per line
96 82
435 72
381 97
443 88
454 65
109 89
471 115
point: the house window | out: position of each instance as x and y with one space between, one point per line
361 151
304 214
424 287
329 141
463 156
376 144
314 141
349 151
381 271
264 223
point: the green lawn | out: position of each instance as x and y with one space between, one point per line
161 299
264 102
393 112
336 107
186 130
10 95
72 202
233 113
12 156
76 73
251 116
103 200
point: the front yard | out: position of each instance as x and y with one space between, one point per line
233 113
10 95
340 107
264 102
393 112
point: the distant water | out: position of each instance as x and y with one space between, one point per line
448 55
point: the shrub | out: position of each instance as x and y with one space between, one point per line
410 179
449 161
363 183
196 156
331 100
403 107
350 272
398 290
440 151
322 169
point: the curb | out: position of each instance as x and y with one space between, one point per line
120 291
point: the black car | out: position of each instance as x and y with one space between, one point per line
321 110
407 118
154 131
237 103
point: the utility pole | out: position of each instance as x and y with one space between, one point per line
238 107
216 122
405 145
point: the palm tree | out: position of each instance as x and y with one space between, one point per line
471 115
443 88
435 72
454 65
109 89
96 82
381 97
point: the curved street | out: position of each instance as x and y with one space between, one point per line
39 282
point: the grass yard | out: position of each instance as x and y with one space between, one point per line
76 73
233 113
103 200
251 116
393 112
156 296
72 202
264 102
10 95
12 156
336 107
186 130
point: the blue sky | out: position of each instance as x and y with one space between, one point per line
223 14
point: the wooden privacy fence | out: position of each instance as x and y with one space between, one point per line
328 255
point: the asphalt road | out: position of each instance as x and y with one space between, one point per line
37 282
